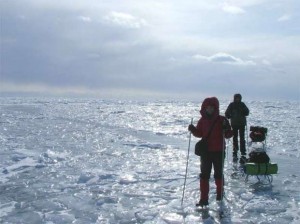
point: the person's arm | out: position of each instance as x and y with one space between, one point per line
228 133
196 131
228 111
245 110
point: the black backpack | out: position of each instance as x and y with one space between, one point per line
258 134
258 157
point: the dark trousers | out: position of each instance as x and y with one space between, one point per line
239 131
215 159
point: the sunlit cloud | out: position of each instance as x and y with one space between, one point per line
109 92
232 9
85 19
284 18
224 58
125 20
125 48
42 88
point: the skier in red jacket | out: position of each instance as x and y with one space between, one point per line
216 147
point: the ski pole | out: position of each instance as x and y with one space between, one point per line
247 136
221 211
223 155
187 164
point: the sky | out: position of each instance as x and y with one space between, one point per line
163 49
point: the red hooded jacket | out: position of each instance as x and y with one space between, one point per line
215 141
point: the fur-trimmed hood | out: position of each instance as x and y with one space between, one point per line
211 101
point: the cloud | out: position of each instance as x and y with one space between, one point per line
232 9
284 18
225 59
85 18
125 20
240 6
115 47
266 62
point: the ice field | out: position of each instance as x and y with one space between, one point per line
100 161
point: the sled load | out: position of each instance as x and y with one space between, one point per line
258 134
259 163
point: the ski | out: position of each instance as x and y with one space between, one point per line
237 170
216 214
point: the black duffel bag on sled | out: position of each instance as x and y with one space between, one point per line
258 157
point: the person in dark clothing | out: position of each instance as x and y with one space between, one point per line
237 112
214 157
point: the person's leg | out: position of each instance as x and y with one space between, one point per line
206 165
242 140
218 163
235 143
242 144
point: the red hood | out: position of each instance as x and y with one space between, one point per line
212 101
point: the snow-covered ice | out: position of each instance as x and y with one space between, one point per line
101 161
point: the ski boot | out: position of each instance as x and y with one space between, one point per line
202 203
234 157
219 197
243 160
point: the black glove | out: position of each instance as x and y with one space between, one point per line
225 125
192 128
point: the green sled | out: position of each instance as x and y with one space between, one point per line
261 168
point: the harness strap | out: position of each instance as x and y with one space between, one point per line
267 166
258 171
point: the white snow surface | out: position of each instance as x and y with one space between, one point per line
100 161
